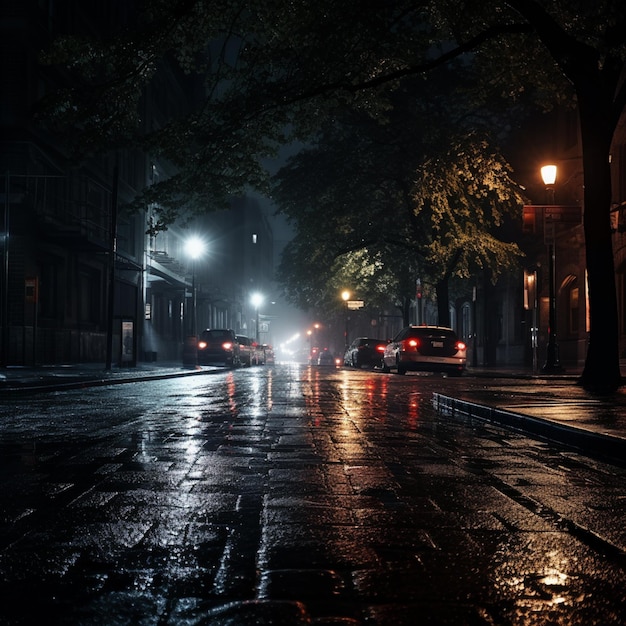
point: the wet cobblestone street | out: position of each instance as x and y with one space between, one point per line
294 495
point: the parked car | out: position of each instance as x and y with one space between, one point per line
365 351
218 345
426 348
247 349
327 358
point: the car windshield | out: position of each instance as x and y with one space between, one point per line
425 333
215 335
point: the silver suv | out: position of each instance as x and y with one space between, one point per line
425 348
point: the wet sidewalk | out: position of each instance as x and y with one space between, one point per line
552 408
58 377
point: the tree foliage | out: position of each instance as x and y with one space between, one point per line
387 200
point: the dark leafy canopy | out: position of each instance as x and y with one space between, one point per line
259 67
378 202
254 69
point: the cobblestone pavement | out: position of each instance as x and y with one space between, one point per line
294 495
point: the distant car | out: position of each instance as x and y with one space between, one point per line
270 357
218 345
426 348
314 355
365 351
327 358
264 354
247 349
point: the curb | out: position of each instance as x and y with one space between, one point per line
585 442
89 381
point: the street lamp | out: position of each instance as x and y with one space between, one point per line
257 300
345 296
194 248
552 364
548 175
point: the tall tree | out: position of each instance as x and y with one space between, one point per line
583 47
414 192
588 44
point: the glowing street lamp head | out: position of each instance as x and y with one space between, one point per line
195 247
256 299
548 175
345 295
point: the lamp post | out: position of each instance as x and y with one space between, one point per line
257 300
345 296
194 247
552 364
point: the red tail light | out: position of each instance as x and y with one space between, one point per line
227 345
380 348
202 345
413 343
460 345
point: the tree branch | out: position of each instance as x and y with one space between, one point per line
412 70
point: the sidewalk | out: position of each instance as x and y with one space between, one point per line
58 377
551 407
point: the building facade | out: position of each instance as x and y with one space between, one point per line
82 281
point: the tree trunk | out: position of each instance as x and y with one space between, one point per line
443 302
406 310
601 373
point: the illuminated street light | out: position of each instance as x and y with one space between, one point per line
345 296
548 175
552 364
194 249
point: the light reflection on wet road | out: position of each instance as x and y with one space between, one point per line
302 494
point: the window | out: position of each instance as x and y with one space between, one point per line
466 321
452 317
572 293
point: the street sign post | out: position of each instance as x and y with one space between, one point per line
535 214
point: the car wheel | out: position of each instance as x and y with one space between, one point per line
383 367
401 369
355 362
